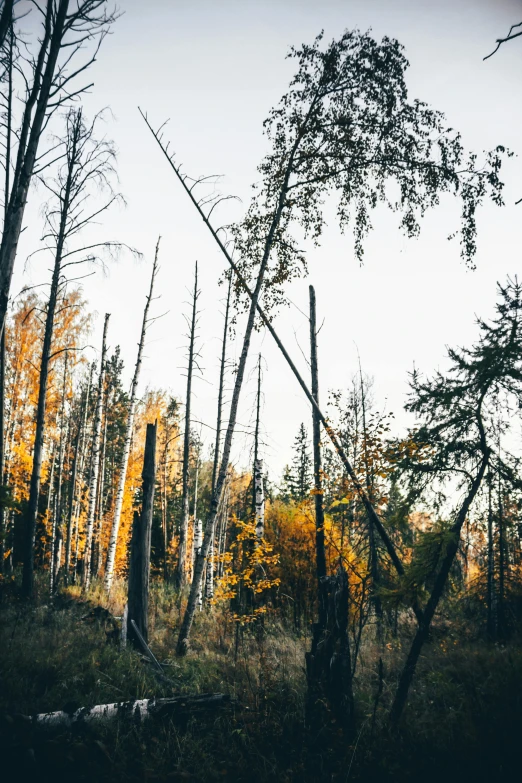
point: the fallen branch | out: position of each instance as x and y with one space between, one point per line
138 710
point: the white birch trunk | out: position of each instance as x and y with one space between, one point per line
113 541
260 499
198 541
95 468
138 710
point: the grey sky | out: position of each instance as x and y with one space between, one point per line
216 69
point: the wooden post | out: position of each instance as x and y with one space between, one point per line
138 590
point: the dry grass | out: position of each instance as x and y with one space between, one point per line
462 723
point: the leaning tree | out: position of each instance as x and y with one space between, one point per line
345 128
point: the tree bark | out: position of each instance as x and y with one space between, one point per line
139 571
72 490
57 517
137 711
95 464
423 629
29 137
181 571
113 541
320 553
490 596
34 491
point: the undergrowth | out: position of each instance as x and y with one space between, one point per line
463 720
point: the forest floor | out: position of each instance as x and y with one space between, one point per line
463 720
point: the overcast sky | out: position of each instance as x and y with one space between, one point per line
215 69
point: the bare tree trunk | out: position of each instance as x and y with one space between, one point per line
74 474
260 499
373 555
181 575
51 83
57 520
183 639
198 540
423 629
34 491
501 610
209 583
491 621
6 20
101 492
81 476
135 711
29 137
6 26
139 571
320 554
95 465
3 531
255 306
113 541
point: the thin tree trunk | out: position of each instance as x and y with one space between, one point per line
181 570
81 476
101 491
57 521
209 585
28 140
34 491
183 639
423 629
320 554
95 465
74 473
254 298
373 556
7 19
501 613
491 621
139 571
3 531
113 541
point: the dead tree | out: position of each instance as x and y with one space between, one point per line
82 414
183 528
315 661
139 568
6 29
50 81
322 141
113 541
373 558
209 580
76 504
100 502
88 164
95 462
6 20
56 527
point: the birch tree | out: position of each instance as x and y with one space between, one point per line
51 83
88 164
95 461
82 423
346 127
118 505
183 528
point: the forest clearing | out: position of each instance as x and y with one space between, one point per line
183 594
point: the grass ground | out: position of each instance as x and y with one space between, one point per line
463 722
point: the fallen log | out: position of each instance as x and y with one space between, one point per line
138 711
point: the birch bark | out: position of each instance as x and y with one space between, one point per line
113 541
